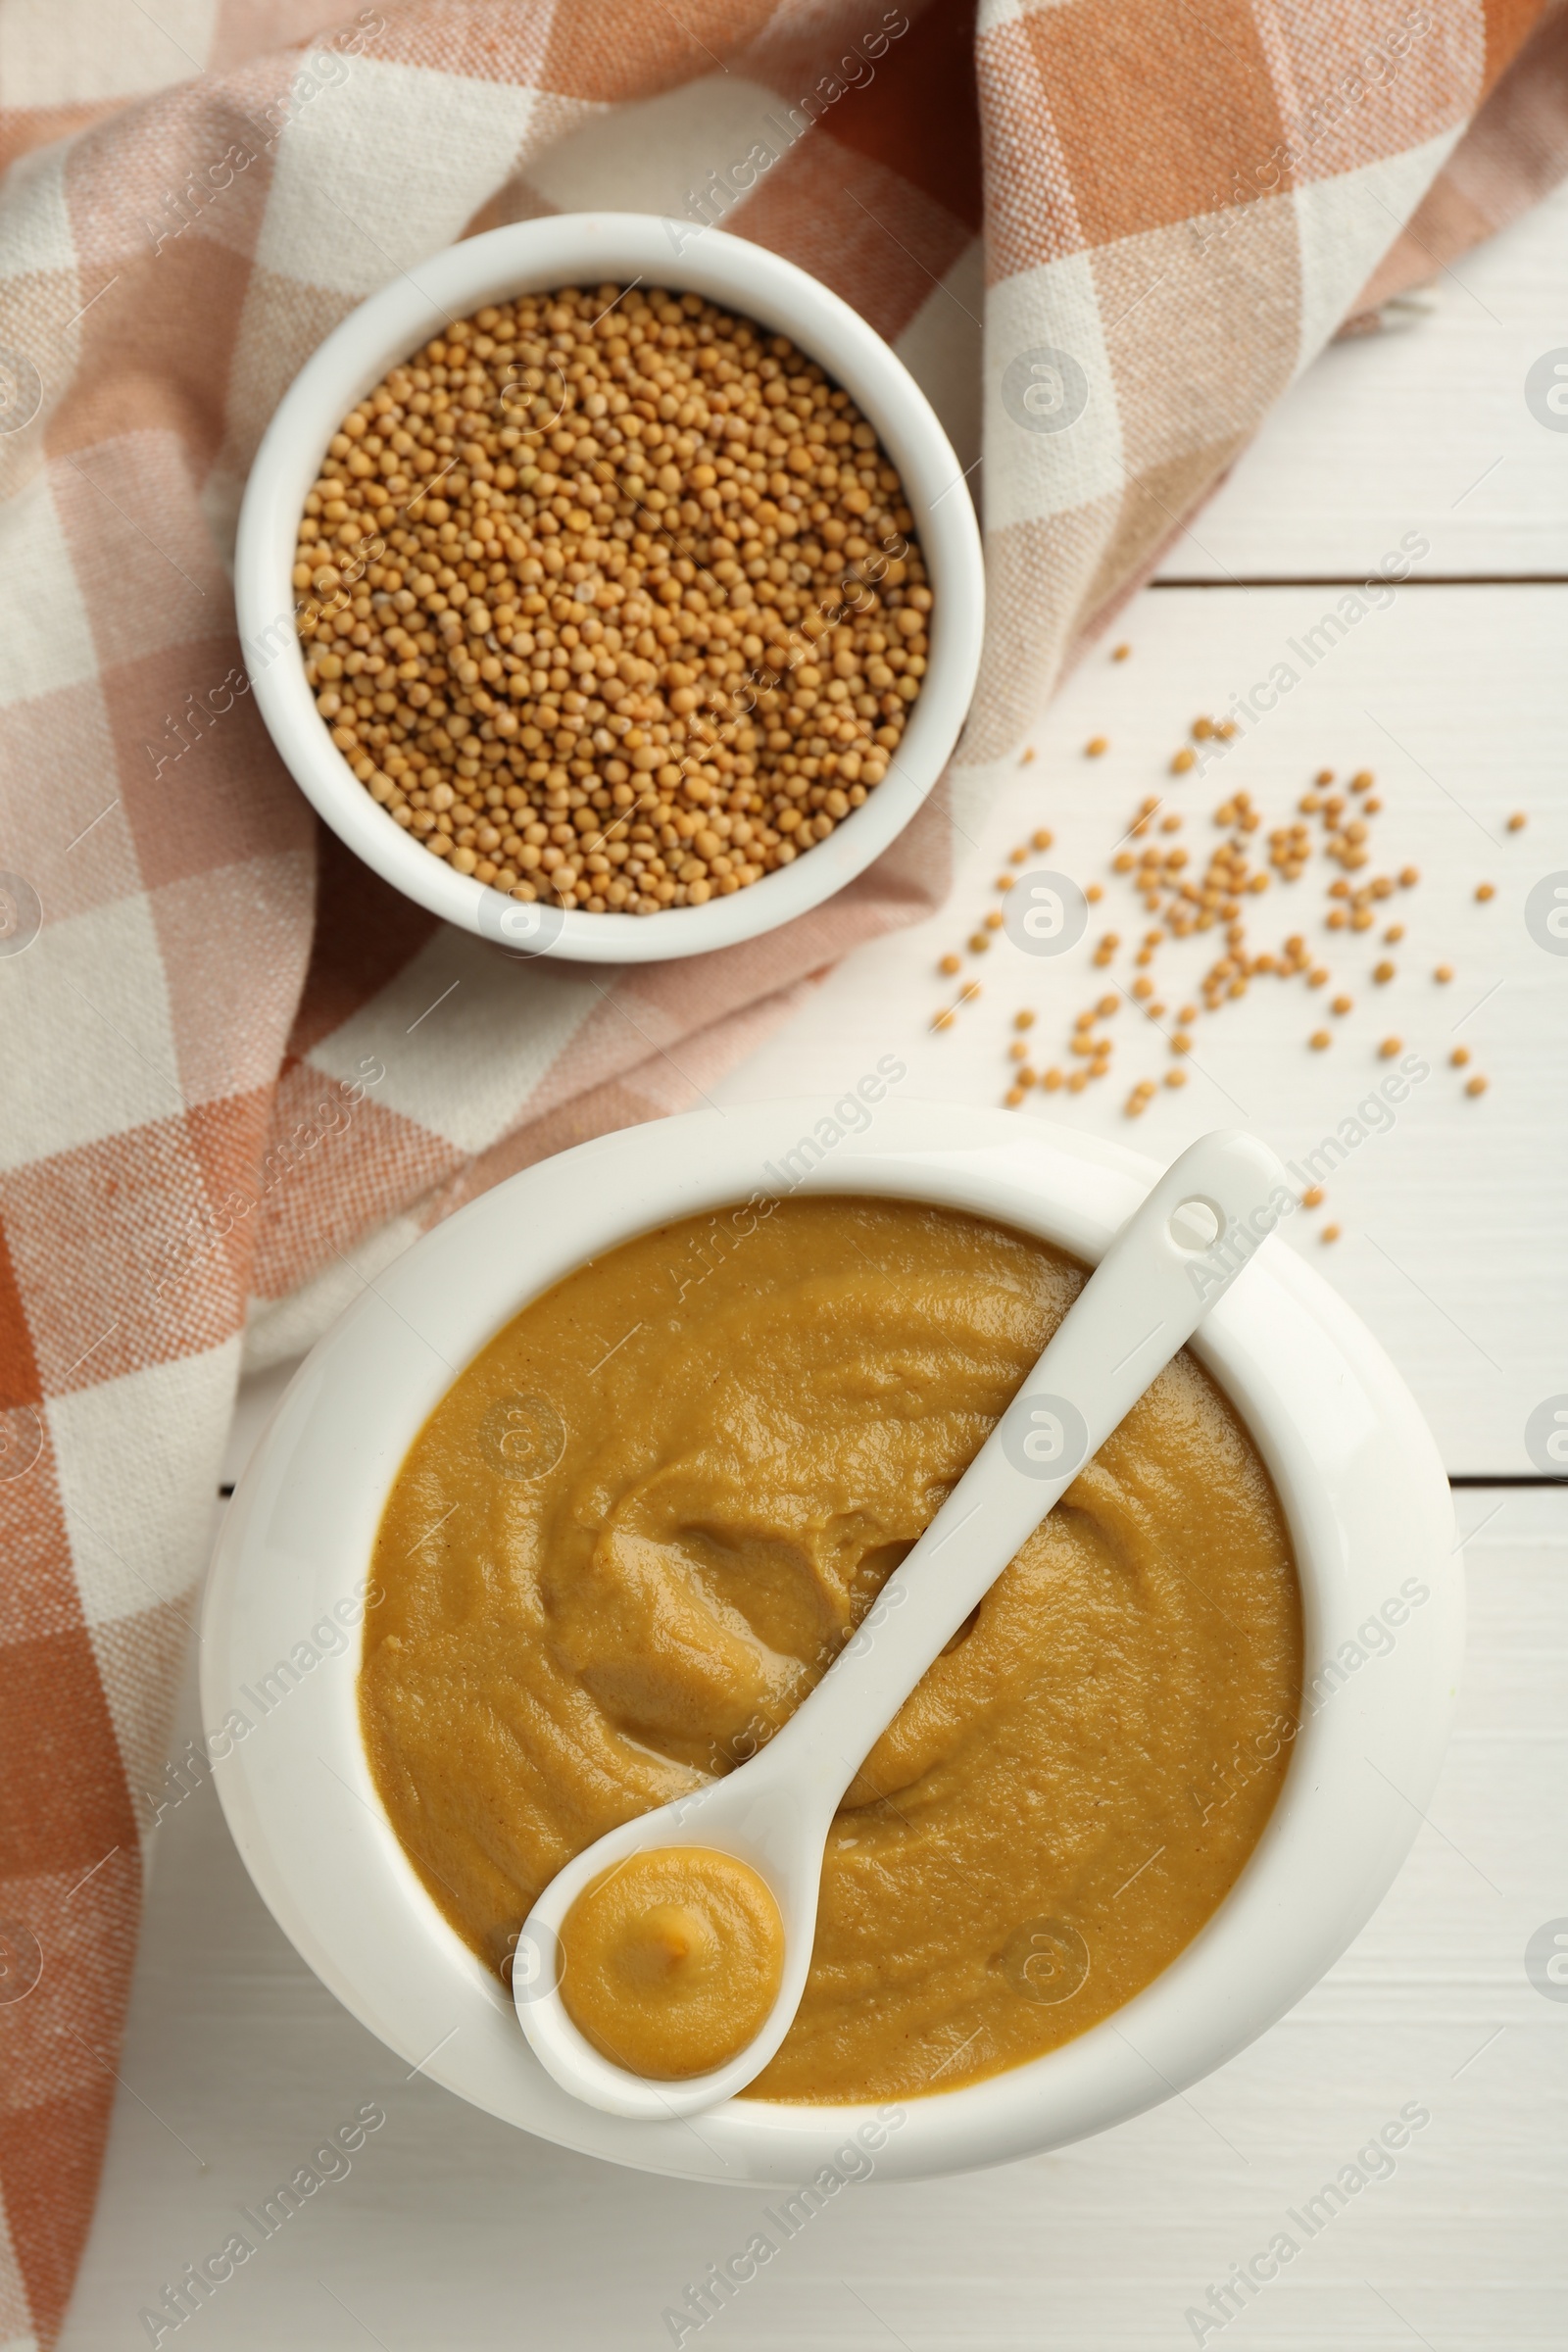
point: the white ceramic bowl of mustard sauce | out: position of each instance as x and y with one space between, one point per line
1356 1471
595 248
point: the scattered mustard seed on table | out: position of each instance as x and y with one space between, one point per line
610 598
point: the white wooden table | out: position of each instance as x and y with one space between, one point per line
451 2230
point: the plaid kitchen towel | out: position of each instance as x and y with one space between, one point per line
240 1073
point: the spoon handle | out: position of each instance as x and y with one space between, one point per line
1174 1257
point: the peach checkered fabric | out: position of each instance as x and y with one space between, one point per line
241 1074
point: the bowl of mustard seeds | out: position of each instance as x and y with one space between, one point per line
613 591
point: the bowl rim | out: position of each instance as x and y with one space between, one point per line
562 250
1365 1493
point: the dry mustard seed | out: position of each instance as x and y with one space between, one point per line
1052 1080
1312 1198
1095 746
1443 972
1389 1047
1013 1098
1023 1020
1485 891
1201 729
1119 652
1393 934
1518 822
1041 840
1094 894
1183 759
1176 1077
944 1021
949 964
1006 881
1318 975
1324 776
1028 757
1018 1052
1382 971
993 920
1318 1040
1330 1233
1460 1056
612 599
1410 876
1476 1085
969 992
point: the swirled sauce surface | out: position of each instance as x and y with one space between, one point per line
645 1520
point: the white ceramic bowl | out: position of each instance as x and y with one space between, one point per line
591 249
1356 1471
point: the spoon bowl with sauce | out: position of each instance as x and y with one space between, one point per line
660 1970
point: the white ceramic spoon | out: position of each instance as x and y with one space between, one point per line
1155 1283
